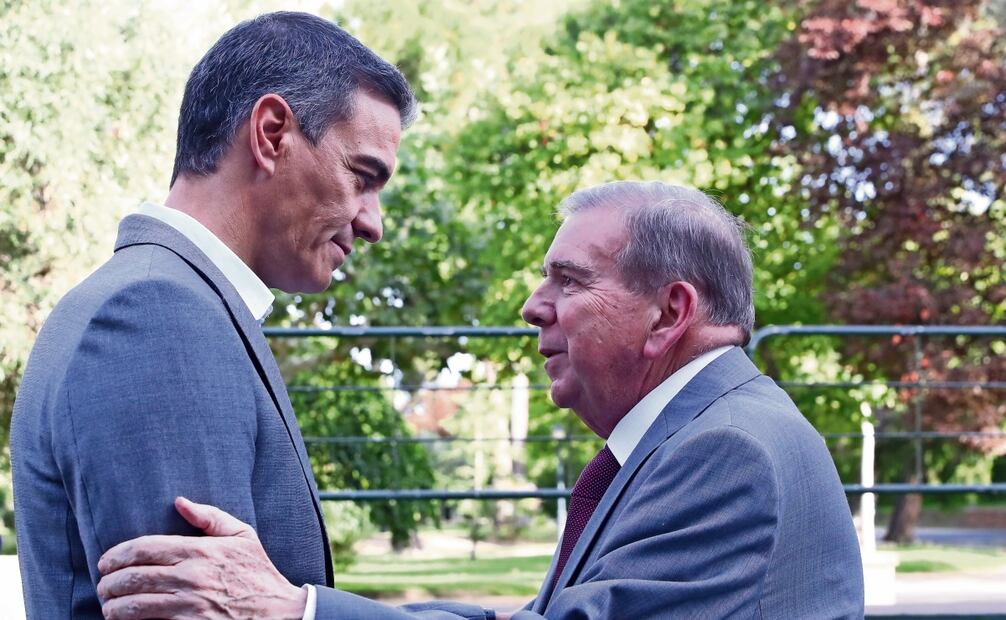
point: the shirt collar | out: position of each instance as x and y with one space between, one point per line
631 428
252 290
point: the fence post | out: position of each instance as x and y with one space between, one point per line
519 423
868 502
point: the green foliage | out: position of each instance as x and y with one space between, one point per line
575 93
634 90
346 524
87 97
6 514
326 413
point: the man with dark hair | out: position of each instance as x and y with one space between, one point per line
712 498
152 379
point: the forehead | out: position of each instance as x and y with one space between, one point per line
591 237
374 129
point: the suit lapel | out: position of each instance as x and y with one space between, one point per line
723 374
144 230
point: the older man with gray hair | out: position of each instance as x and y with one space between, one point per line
712 497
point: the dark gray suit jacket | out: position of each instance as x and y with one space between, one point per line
729 507
149 380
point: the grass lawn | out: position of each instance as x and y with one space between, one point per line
444 577
934 559
497 574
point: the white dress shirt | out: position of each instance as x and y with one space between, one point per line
252 290
631 428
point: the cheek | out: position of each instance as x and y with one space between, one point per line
605 336
596 319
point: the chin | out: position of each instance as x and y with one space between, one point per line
560 397
316 281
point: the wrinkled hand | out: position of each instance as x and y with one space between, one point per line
225 575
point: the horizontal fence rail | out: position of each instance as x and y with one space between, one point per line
555 493
872 330
757 338
460 331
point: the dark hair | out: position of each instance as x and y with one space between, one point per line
313 64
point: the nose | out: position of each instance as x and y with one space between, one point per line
538 310
367 224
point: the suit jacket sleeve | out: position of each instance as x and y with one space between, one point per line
694 540
157 402
335 604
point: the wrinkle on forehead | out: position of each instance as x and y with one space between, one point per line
589 241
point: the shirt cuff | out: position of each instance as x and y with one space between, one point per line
312 601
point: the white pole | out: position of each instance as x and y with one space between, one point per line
868 502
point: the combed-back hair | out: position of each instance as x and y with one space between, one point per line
679 233
313 64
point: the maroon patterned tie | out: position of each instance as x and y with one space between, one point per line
587 493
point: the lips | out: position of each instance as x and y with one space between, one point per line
547 352
553 359
347 248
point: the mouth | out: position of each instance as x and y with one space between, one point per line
347 248
548 352
553 363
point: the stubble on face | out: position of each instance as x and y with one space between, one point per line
329 196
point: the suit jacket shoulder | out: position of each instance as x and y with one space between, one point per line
151 380
723 510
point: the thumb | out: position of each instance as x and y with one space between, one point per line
212 520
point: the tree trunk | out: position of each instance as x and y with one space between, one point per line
901 528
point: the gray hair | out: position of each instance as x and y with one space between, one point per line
679 234
313 64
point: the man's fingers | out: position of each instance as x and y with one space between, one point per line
166 550
212 520
157 550
141 580
144 606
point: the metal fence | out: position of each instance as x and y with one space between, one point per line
917 435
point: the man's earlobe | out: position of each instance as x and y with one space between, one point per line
270 126
677 303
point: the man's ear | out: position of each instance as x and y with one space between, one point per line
271 129
677 303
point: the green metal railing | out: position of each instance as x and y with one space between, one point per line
917 435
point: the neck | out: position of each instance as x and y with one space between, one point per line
218 204
690 347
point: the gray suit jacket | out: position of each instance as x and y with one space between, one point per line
729 507
151 379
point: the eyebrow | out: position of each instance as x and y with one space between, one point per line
575 268
380 169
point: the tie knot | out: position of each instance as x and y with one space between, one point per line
596 477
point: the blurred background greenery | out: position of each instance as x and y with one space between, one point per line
862 141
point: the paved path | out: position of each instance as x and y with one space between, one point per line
965 592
